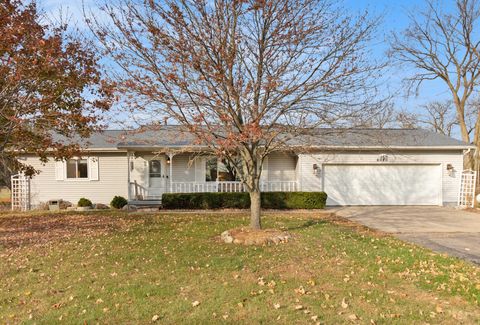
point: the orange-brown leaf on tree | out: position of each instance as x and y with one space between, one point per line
50 84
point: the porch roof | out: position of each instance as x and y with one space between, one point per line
172 137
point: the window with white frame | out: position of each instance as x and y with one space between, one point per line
155 168
211 170
77 168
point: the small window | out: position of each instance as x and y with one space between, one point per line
77 168
155 168
211 171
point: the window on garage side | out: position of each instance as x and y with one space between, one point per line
77 168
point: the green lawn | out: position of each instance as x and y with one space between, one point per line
117 269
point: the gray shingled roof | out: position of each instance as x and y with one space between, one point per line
378 138
172 136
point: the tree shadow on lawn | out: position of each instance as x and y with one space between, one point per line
307 224
340 222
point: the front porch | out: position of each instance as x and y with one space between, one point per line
140 192
150 175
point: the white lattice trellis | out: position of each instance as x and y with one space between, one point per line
20 192
466 197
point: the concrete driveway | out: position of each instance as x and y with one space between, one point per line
442 229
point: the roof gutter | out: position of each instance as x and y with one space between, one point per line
455 147
121 148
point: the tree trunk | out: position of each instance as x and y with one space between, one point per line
468 161
255 209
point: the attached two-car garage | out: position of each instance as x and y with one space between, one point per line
383 184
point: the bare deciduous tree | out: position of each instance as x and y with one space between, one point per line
438 116
407 120
443 45
441 117
245 77
384 116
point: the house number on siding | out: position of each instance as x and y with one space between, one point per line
382 158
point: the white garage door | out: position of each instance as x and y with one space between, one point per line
383 184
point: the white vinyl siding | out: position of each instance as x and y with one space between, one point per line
183 168
281 167
199 165
59 170
139 173
111 181
93 168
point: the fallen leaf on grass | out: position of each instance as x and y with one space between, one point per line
300 290
352 317
271 284
276 306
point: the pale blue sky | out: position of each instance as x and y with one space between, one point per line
395 18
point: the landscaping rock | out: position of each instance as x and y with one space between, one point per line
226 237
101 206
247 236
64 205
130 208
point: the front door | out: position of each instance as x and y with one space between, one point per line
157 178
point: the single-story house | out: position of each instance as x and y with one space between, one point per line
354 167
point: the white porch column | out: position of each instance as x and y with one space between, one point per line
128 177
218 189
170 157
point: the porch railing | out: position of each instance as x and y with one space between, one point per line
231 186
279 186
139 192
192 187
